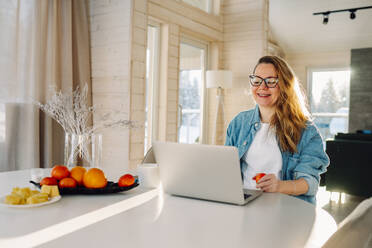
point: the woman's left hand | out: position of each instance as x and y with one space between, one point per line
269 183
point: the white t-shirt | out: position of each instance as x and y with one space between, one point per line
262 156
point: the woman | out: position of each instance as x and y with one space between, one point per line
277 137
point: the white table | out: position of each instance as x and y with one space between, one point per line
148 218
33 226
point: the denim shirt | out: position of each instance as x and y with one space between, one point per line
308 162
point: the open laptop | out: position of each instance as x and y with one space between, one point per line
206 172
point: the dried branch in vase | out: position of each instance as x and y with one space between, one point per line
72 112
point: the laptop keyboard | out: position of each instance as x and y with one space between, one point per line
247 196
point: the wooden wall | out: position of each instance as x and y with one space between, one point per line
118 32
110 33
138 80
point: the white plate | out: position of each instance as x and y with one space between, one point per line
50 201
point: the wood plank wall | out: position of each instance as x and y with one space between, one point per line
118 48
138 81
110 27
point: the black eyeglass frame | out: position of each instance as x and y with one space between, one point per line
251 77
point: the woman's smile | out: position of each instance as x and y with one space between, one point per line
264 95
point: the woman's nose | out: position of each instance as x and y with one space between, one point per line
263 86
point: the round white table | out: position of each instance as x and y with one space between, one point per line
149 218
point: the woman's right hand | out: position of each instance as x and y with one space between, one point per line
269 183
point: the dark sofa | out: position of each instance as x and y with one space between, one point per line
350 168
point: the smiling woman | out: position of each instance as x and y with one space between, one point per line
277 137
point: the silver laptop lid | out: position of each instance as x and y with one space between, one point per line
200 171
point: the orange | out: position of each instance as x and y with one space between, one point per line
60 171
77 173
67 182
94 178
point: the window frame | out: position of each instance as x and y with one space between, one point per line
210 6
202 44
153 112
310 72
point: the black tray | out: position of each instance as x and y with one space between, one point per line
111 187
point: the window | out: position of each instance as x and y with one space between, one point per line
205 5
152 62
329 94
191 91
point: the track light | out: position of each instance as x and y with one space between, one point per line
352 13
325 19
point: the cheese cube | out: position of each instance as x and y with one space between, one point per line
14 199
38 198
51 190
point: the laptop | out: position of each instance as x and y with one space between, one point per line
207 172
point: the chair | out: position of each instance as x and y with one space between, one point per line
355 230
351 164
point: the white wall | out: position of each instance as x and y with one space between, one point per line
301 62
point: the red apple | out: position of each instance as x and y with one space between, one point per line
258 176
126 180
48 181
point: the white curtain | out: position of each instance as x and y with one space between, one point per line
44 44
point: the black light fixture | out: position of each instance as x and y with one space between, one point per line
352 13
325 18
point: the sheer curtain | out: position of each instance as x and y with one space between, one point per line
44 44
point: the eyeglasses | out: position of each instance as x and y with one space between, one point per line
270 82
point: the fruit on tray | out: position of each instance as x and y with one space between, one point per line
94 178
258 176
60 171
77 173
51 190
21 196
49 181
126 180
67 182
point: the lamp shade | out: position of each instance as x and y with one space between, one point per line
219 78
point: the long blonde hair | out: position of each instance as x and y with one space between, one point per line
291 111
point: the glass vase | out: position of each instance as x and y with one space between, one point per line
83 150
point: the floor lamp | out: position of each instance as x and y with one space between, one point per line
220 79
